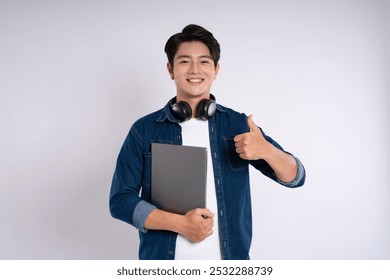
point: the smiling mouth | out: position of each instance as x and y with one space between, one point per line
195 80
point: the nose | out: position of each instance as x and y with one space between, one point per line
194 68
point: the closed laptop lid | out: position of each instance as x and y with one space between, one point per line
179 176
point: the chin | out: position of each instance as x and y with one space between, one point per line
199 94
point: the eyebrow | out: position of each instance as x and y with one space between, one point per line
188 56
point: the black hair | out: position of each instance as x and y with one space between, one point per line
192 33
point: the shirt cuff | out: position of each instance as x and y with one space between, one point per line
298 178
141 212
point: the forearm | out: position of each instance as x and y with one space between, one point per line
195 225
283 164
162 220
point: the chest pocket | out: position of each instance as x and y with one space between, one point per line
235 162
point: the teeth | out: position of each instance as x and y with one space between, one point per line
195 80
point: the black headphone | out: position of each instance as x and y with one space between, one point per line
204 110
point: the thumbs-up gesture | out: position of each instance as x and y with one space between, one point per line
252 145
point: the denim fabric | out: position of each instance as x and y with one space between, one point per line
130 189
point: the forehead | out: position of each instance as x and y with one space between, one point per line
192 49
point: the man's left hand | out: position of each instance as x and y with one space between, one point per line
252 145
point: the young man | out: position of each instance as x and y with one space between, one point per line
223 230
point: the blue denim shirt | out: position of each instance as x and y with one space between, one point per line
231 176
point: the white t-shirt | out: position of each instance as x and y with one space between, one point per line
196 133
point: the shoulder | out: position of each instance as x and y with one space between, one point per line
156 117
143 125
148 119
232 119
230 112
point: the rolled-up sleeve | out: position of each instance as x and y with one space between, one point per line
141 212
299 179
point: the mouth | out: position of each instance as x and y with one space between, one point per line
195 81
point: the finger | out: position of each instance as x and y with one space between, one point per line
202 237
238 137
244 156
240 143
208 224
252 126
204 212
209 233
239 150
241 139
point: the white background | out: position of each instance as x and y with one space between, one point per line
74 76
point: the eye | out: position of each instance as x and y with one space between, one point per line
205 61
184 61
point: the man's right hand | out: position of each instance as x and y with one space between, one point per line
197 224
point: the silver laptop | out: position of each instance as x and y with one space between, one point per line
178 177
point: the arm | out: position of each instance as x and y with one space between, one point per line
125 202
195 225
253 146
128 206
283 164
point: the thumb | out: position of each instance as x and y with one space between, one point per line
205 213
252 126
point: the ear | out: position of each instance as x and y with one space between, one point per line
170 70
216 71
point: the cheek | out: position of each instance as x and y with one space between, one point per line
213 76
179 82
212 73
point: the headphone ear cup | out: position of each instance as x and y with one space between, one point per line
182 111
205 109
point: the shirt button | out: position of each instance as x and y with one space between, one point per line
171 252
178 136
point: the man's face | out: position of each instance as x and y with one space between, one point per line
193 71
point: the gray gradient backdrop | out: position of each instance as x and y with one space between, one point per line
74 76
